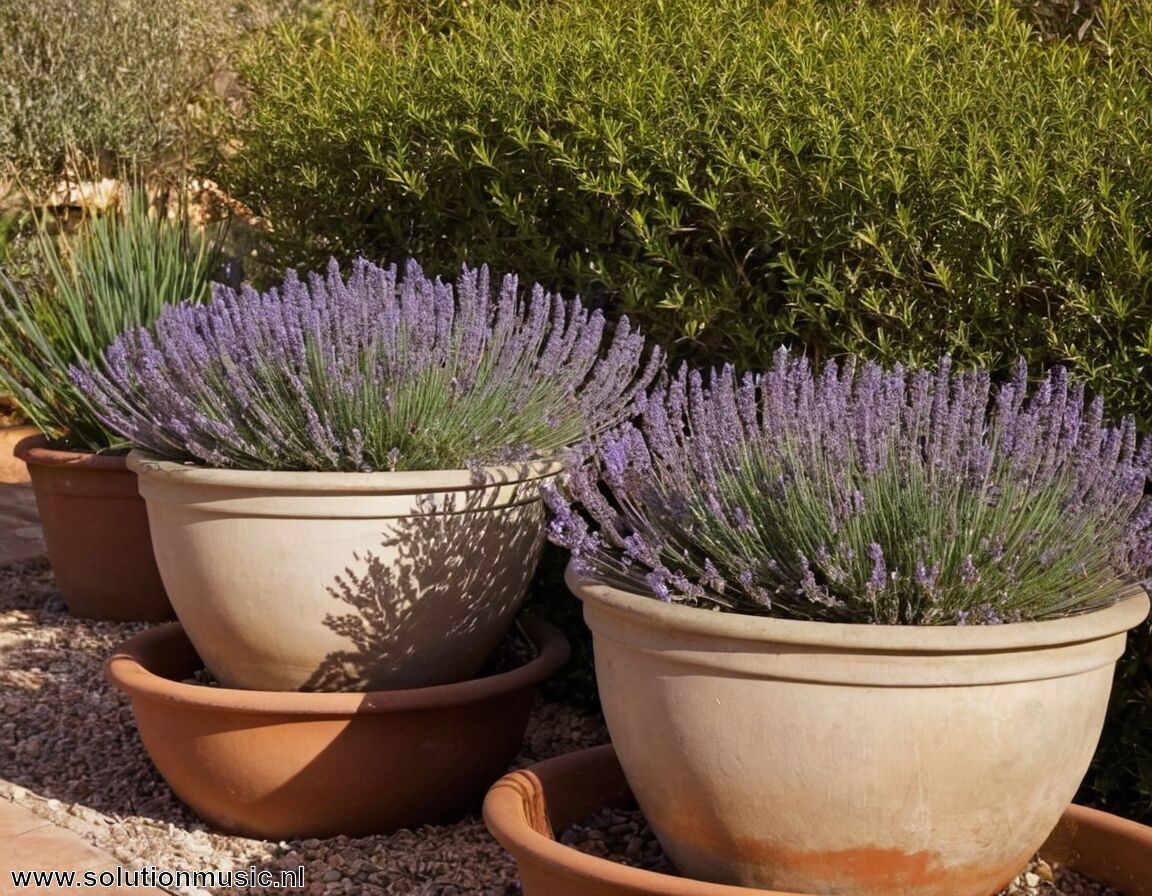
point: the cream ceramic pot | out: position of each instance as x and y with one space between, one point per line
851 759
343 581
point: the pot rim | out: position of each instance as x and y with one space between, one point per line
34 449
517 804
149 465
1129 610
126 670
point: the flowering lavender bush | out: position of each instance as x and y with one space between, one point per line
369 373
864 495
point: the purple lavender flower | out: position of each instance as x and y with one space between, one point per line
948 500
370 372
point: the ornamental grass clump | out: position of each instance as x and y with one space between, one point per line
859 494
115 270
372 372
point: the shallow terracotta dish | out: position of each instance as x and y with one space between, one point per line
96 530
282 764
525 807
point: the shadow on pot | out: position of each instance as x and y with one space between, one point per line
435 599
353 581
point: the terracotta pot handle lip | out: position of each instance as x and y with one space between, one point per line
125 670
34 450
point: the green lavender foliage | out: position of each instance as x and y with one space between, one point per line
116 270
887 181
855 494
379 371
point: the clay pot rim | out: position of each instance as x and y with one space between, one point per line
1129 610
126 670
512 802
146 463
34 450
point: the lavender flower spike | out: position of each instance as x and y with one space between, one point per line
859 494
376 371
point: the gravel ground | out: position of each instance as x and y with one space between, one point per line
70 753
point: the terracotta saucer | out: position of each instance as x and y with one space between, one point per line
284 764
524 809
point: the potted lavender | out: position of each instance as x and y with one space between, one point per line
343 486
855 630
342 475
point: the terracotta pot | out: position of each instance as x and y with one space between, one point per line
524 808
851 759
290 764
12 469
343 581
96 531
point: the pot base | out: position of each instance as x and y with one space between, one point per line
525 807
283 765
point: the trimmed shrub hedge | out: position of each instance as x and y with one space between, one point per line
737 174
1120 780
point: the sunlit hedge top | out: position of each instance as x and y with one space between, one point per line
858 494
372 372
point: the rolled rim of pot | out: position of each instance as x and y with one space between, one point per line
126 670
1127 612
377 482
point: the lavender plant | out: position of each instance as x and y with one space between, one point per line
858 494
372 372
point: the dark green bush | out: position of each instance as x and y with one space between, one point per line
739 173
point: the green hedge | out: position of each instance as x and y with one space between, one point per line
737 173
1120 780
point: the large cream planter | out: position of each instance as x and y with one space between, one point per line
343 581
860 760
